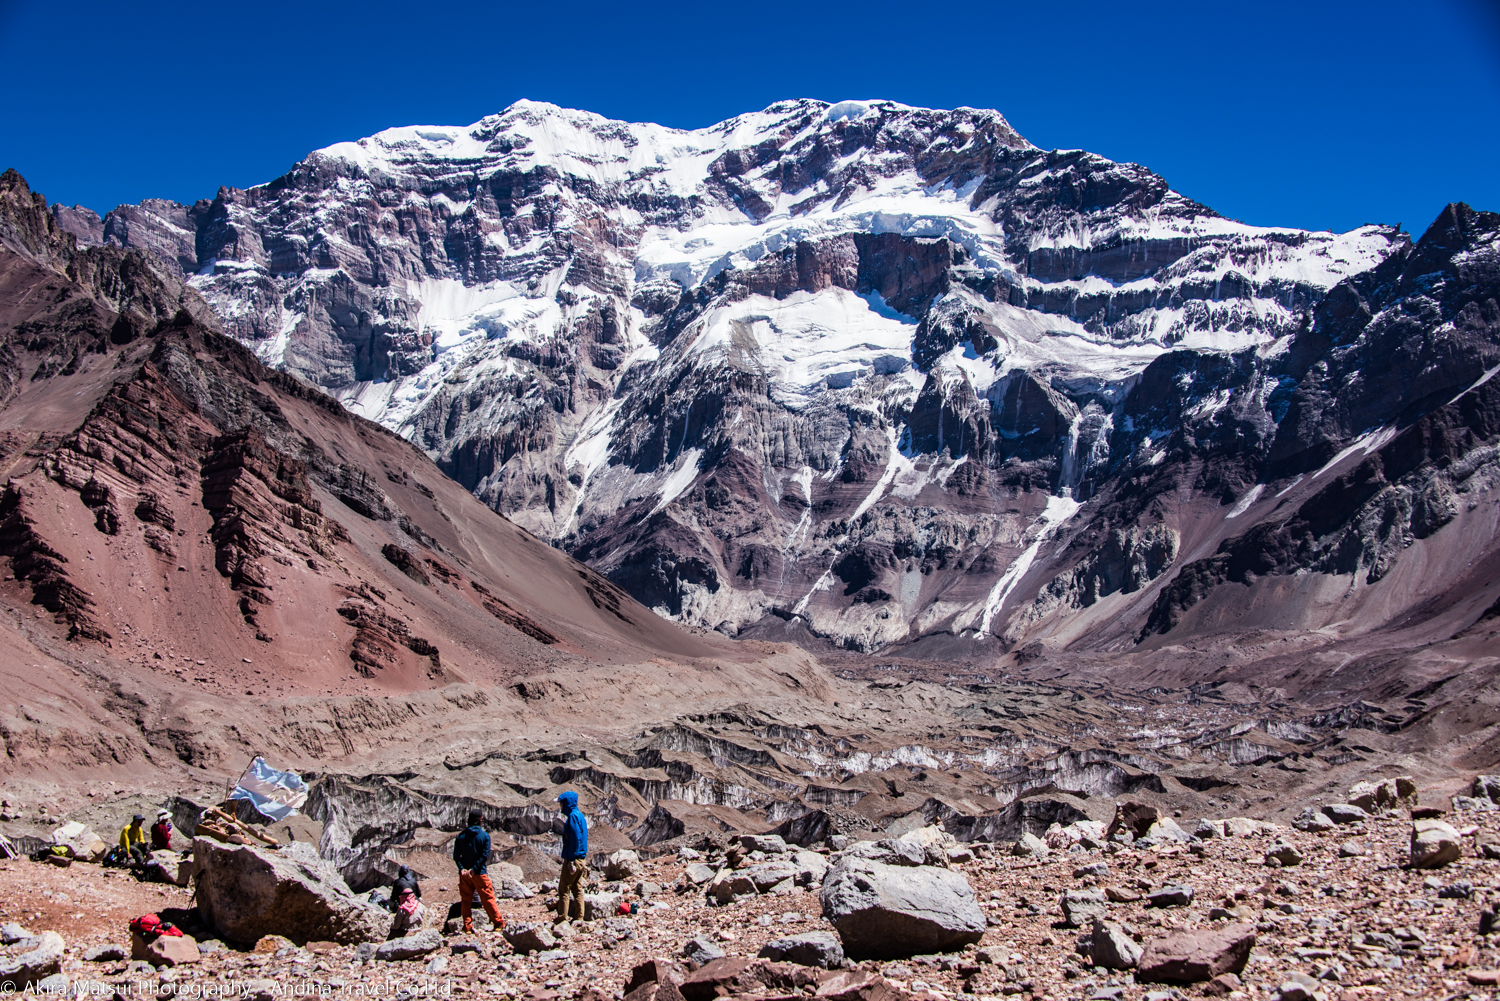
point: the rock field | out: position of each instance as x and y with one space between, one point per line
1346 919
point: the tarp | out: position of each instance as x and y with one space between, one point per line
274 793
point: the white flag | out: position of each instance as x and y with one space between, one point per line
274 793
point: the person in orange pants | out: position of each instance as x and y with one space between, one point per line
471 853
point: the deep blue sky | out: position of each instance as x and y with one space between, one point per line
1292 112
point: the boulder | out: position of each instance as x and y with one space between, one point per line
815 948
1383 795
1171 896
1196 956
104 954
598 906
1081 907
718 977
57 986
858 985
11 933
172 867
1111 948
43 959
1313 820
1208 829
245 892
527 938
655 971
80 841
811 867
1434 843
1167 829
622 865
1283 853
1222 986
729 886
1244 827
411 947
934 842
767 874
1092 869
1134 818
701 951
509 889
885 912
889 851
698 873
172 950
1345 813
1030 846
771 844
1486 787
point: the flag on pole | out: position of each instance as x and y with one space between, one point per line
274 793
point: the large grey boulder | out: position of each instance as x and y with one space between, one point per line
701 950
1384 795
767 874
1345 813
729 886
811 867
1313 820
886 911
410 947
1434 843
246 892
1030 846
814 948
621 865
1111 948
43 959
528 938
1081 907
889 851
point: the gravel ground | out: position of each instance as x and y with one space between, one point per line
1311 919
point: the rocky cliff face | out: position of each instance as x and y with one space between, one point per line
882 375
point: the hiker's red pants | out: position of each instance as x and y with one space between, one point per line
468 883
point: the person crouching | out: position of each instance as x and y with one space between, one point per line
575 851
406 900
471 853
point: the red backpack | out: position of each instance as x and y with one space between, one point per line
149 926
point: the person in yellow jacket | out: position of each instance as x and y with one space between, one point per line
133 839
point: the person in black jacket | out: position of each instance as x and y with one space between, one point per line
406 880
406 901
471 853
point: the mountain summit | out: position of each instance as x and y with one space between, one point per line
884 377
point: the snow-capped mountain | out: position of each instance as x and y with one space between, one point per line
878 372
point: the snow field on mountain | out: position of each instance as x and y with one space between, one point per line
806 342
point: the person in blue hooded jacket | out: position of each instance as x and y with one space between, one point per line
575 835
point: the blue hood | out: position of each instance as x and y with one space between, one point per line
569 801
